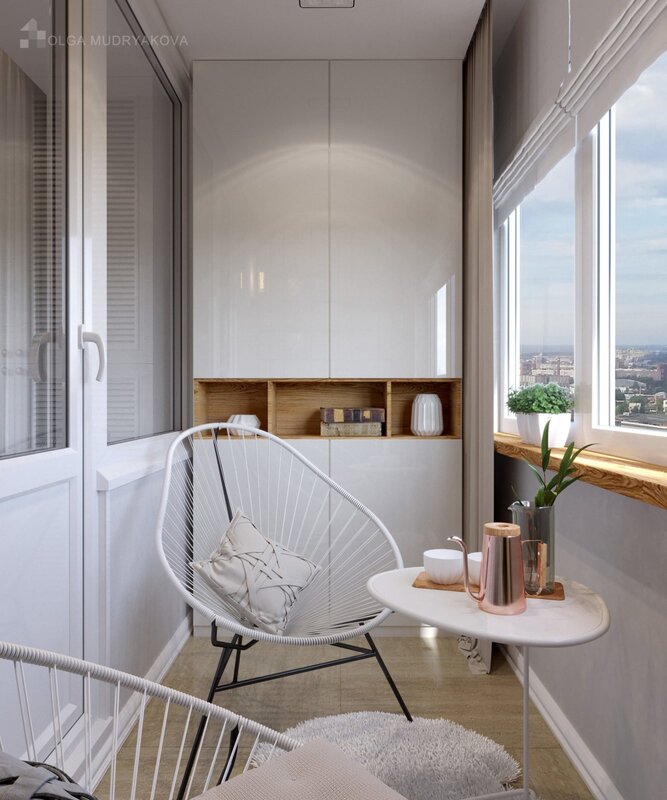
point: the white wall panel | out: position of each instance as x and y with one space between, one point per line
610 691
39 549
395 215
40 596
414 487
261 267
143 607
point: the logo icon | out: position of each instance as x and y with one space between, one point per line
33 33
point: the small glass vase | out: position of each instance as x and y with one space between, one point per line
538 534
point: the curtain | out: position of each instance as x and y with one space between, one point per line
478 390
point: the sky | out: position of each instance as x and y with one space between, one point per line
547 261
547 230
641 210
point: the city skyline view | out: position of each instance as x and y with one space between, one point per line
640 396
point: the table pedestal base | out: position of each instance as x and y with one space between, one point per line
524 792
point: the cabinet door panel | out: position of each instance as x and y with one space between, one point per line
395 218
413 486
261 260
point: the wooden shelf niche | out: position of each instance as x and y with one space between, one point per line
290 407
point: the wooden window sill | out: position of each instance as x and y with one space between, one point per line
636 479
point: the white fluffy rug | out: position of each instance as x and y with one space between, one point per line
428 759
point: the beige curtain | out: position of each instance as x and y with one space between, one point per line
478 281
478 299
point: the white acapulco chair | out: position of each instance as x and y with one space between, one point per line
212 471
86 745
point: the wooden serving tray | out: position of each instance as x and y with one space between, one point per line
422 581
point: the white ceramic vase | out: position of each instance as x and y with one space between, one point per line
426 415
248 420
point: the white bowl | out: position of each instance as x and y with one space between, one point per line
474 567
444 566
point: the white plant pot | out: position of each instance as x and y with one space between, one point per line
531 428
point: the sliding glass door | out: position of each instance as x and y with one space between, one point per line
89 330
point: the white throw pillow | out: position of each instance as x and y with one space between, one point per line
259 578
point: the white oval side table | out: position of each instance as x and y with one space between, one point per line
581 617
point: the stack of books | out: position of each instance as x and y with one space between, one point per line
351 421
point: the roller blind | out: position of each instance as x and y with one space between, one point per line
637 38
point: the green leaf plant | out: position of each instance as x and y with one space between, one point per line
540 399
565 476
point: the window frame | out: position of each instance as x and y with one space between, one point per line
507 312
649 445
177 276
507 273
594 313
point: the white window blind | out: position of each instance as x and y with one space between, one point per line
637 38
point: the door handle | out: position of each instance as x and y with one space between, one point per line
94 338
37 366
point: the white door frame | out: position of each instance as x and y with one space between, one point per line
107 467
92 101
23 478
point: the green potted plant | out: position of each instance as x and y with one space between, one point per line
537 405
536 518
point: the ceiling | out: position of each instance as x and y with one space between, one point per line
375 29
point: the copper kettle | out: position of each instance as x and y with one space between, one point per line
501 586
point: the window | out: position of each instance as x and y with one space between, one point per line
538 244
632 218
33 225
143 118
604 233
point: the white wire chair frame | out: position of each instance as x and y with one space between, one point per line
215 469
146 771
293 503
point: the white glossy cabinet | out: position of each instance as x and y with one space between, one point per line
413 486
327 243
395 218
327 219
261 228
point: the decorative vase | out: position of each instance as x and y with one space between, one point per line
427 415
531 428
538 534
247 420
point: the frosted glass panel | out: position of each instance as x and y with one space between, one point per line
140 242
33 349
